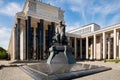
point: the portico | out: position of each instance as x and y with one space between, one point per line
33 30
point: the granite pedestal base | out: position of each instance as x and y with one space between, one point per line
45 71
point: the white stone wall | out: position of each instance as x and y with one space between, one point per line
44 11
85 29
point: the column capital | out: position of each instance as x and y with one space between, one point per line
28 17
18 21
41 20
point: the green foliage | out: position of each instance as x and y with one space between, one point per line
2 49
3 53
113 60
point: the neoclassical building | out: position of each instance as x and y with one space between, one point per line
90 42
34 28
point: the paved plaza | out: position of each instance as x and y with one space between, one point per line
113 74
15 73
12 73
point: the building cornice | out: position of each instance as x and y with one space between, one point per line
82 27
107 29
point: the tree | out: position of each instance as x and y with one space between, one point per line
3 53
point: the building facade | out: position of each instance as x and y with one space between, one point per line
33 30
92 43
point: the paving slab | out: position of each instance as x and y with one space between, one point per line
113 74
13 73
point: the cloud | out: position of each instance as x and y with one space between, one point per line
10 9
71 27
115 19
107 7
95 11
57 3
1 1
4 36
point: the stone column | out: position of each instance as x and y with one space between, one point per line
91 51
119 43
81 48
75 47
44 45
15 41
21 44
87 47
37 41
25 39
94 46
68 40
28 25
24 42
49 36
109 48
41 38
100 47
34 36
53 28
115 42
104 46
13 56
18 38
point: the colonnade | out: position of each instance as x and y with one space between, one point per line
31 40
105 45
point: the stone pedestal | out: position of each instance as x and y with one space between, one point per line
60 51
60 54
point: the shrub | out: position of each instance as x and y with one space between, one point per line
3 53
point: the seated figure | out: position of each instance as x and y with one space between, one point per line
60 34
60 51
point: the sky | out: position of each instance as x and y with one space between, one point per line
77 13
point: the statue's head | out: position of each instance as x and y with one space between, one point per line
60 22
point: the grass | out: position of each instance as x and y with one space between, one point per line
113 60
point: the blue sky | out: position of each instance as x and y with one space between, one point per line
77 13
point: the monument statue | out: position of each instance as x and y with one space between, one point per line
61 63
60 51
60 34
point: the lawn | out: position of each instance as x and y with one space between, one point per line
113 60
